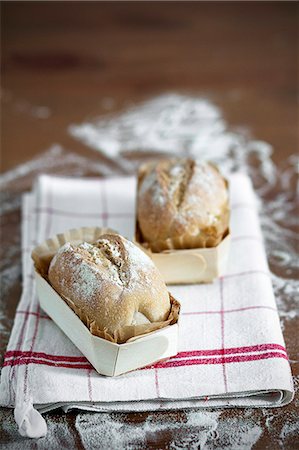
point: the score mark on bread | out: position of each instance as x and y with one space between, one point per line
182 204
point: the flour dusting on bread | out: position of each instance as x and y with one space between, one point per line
112 281
182 203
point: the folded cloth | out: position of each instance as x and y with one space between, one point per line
231 349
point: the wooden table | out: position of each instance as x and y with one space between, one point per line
68 61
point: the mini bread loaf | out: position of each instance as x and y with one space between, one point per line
112 281
182 203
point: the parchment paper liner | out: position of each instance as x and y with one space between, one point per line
208 238
183 242
42 256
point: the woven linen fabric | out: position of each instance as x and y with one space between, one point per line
231 348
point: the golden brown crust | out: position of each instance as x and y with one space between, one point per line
181 204
110 281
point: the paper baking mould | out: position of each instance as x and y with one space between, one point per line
108 358
187 266
133 347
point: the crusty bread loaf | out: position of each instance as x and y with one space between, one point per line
112 281
182 203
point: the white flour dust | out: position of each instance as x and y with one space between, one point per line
288 433
38 112
111 431
283 425
56 160
192 430
59 435
22 106
178 125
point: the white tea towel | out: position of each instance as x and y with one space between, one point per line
231 349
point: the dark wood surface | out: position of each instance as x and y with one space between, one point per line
69 56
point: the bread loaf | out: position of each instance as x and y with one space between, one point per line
111 281
181 203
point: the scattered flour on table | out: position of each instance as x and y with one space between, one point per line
194 430
59 435
102 431
289 432
283 425
176 125
23 106
39 112
56 160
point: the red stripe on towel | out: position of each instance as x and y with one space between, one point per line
163 365
213 352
